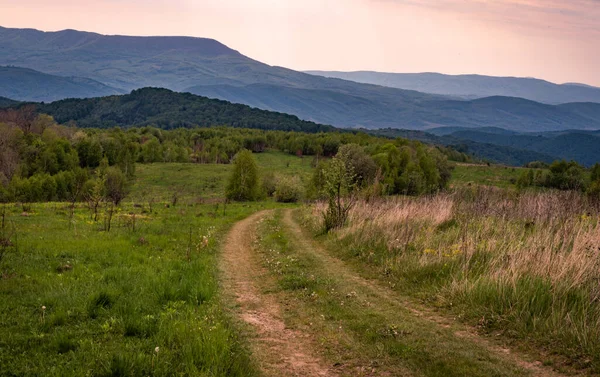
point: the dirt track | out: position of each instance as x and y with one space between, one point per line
280 351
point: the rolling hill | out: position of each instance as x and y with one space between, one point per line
209 68
502 145
167 109
29 85
483 150
7 102
574 145
475 86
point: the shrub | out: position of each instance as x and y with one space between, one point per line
243 183
537 165
288 190
116 185
361 163
339 187
566 176
269 183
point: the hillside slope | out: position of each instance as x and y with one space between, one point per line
7 102
166 109
483 149
207 67
581 147
29 85
474 86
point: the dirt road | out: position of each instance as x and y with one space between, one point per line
282 351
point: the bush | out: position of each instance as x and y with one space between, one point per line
594 190
269 183
116 185
361 163
338 187
537 165
566 176
243 183
288 190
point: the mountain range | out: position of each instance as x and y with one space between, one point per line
509 147
28 85
475 86
167 109
209 68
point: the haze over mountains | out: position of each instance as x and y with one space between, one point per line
25 84
509 147
207 67
475 86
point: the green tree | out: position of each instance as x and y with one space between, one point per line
338 188
116 187
566 176
243 183
151 151
361 164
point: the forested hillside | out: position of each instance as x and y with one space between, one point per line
166 109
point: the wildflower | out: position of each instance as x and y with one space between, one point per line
155 351
430 251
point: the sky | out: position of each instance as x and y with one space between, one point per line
556 40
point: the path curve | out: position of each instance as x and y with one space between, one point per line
391 297
280 351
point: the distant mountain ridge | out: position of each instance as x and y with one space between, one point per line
167 109
475 86
209 68
514 147
26 84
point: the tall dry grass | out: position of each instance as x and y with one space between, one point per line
525 263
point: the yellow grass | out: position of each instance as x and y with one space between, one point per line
530 260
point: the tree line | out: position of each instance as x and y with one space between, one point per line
561 175
41 160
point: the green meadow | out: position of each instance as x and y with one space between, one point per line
160 181
141 299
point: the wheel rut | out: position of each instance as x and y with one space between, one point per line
283 351
387 297
279 350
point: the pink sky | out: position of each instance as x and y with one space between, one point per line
550 39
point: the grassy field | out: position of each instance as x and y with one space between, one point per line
361 328
494 175
141 299
520 266
196 182
77 300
